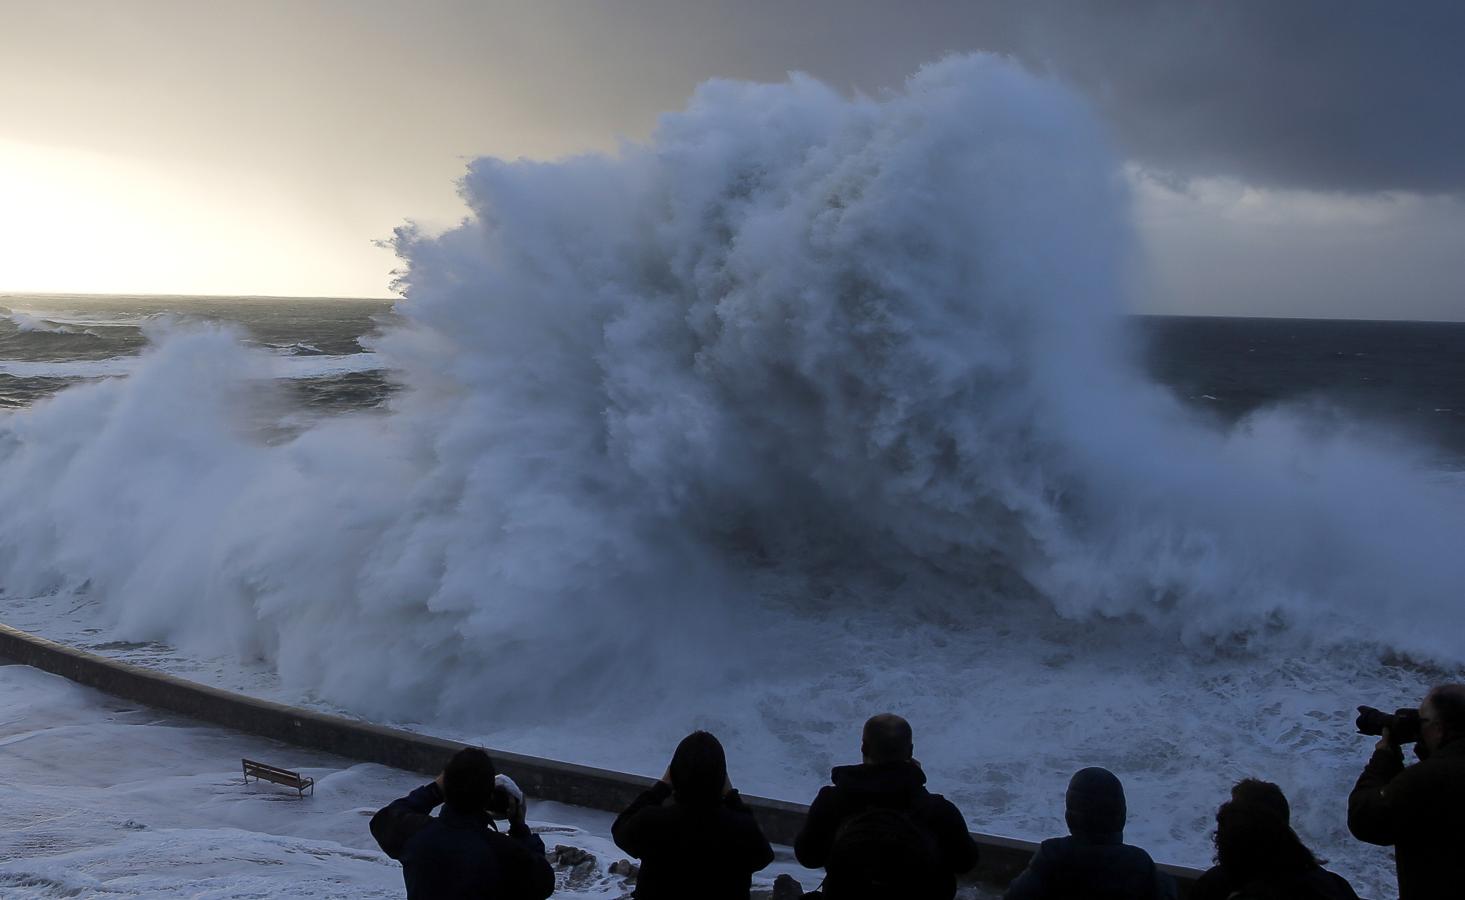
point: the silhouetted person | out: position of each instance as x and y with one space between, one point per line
691 831
1259 856
1419 811
1093 862
878 833
460 853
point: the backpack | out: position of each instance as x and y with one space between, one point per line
881 853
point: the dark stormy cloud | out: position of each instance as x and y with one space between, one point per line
1315 94
1351 95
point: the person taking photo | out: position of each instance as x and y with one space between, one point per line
1418 810
460 853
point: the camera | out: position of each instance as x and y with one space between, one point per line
1403 724
506 799
500 802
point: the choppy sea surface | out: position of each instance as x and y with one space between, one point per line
1405 376
48 342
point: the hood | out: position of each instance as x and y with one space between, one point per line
1095 805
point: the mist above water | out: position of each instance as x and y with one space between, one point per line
812 406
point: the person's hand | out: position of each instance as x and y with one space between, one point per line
441 786
666 777
1385 741
517 806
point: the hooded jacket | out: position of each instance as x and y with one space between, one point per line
459 855
899 786
1093 861
1420 811
707 851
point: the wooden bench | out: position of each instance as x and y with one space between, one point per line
259 770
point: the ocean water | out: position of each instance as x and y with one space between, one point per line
1405 377
50 341
810 408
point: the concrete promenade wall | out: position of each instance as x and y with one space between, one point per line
545 779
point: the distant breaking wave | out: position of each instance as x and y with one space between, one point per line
24 322
67 324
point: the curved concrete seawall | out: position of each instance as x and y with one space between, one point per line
545 779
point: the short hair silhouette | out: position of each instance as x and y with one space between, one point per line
887 738
1094 804
1449 705
698 770
468 780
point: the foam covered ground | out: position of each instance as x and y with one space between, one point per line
104 798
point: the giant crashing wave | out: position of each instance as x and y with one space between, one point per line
767 422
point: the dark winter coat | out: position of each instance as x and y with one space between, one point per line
1420 811
899 786
459 855
1311 883
1078 867
689 851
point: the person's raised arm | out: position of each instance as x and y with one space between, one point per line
625 831
395 824
1372 816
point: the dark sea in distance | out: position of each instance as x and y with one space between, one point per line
1407 377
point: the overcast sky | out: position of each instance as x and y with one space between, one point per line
1289 158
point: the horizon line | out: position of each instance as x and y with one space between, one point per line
394 298
170 294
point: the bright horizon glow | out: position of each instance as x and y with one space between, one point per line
76 222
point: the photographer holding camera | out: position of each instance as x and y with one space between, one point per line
460 852
1419 810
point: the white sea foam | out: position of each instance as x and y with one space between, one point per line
69 368
325 364
280 365
812 407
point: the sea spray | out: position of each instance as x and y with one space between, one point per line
811 407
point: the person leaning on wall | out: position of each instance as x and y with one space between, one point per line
1418 810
